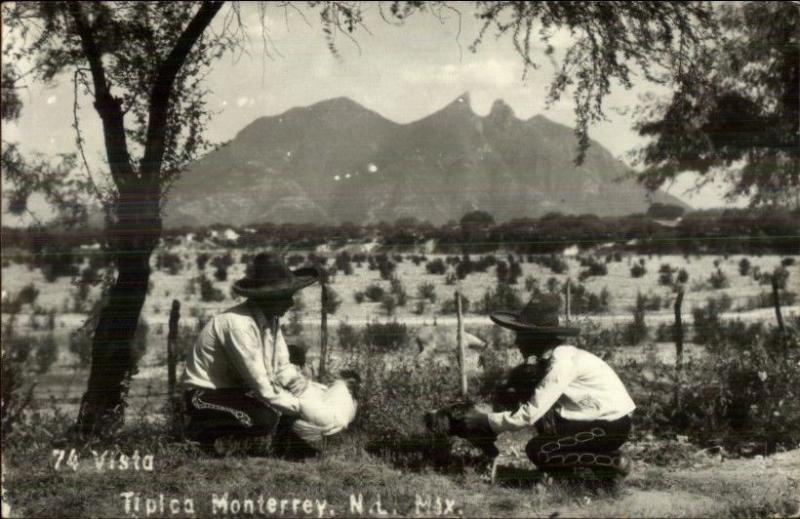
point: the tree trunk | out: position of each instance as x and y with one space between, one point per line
113 359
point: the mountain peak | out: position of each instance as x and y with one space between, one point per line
501 109
461 103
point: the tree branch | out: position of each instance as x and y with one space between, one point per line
107 106
162 91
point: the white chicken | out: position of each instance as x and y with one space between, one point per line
323 408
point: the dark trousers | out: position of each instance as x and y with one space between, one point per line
567 444
240 413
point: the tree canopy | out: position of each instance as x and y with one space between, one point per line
738 114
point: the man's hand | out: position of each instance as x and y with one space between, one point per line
297 385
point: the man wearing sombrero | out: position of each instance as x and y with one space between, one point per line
238 377
590 406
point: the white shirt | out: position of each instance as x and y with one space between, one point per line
581 386
235 350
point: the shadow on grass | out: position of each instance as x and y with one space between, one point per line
424 453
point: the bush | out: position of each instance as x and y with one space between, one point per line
683 276
348 336
449 306
28 294
665 275
742 395
427 291
638 270
332 300
202 260
718 280
436 267
374 293
46 353
636 331
15 398
582 301
387 337
359 297
389 304
221 273
385 266
169 262
344 263
593 268
398 290
503 297
744 267
208 293
531 284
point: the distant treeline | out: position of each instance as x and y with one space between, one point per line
729 231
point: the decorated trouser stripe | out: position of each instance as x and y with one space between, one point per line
570 443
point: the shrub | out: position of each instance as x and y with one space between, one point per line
553 285
503 297
202 260
683 276
744 267
427 291
514 272
398 290
221 273
638 270
15 398
593 268
449 306
46 353
420 306
387 337
531 284
389 304
208 293
707 323
344 263
80 344
359 297
636 331
28 294
169 262
332 300
374 292
385 266
787 262
348 336
583 301
436 267
718 280
665 275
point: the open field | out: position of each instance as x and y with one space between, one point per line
672 476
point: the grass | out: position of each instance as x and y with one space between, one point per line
744 488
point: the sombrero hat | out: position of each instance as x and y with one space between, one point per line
540 316
270 278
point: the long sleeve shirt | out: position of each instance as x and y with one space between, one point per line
581 386
235 350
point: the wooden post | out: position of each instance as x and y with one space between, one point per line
568 294
678 331
460 340
323 333
776 300
172 346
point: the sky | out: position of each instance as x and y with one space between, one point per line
402 72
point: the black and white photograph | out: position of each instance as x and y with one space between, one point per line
400 259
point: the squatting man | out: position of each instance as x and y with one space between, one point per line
577 404
240 381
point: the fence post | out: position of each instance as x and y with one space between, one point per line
568 295
460 340
678 331
323 333
776 300
172 346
